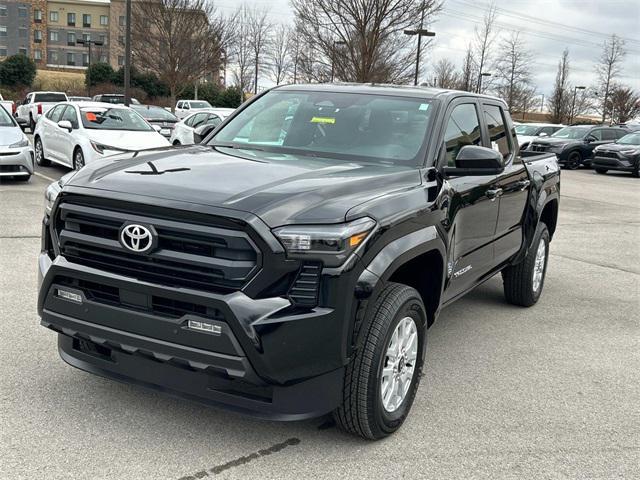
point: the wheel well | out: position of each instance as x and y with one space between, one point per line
550 216
176 142
424 273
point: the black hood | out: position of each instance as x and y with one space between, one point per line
278 188
552 141
616 147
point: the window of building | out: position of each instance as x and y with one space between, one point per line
104 20
52 57
463 128
71 59
103 58
498 133
37 36
86 20
22 51
53 36
121 20
71 19
85 59
37 54
86 37
3 51
121 39
22 32
3 11
120 60
103 39
53 16
37 15
22 12
3 31
71 38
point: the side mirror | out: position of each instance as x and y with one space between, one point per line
65 124
544 134
590 139
201 132
475 160
157 128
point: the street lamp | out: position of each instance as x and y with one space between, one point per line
88 43
573 103
482 74
333 54
420 32
127 56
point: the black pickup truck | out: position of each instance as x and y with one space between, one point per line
290 265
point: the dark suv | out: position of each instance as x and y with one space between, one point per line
574 145
622 155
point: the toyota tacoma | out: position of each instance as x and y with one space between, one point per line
290 265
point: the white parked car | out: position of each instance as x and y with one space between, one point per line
183 131
36 104
74 134
16 154
528 131
186 107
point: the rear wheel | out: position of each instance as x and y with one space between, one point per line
78 159
601 170
636 171
382 379
40 159
574 160
523 282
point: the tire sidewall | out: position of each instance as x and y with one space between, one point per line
542 235
390 421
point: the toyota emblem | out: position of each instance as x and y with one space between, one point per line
137 238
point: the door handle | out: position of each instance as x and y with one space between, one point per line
494 193
522 184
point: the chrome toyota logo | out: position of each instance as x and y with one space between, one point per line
137 238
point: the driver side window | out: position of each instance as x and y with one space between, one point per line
70 115
463 128
55 112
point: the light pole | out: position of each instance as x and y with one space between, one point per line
127 56
573 103
420 32
482 74
333 55
88 43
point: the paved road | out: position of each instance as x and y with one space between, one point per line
547 392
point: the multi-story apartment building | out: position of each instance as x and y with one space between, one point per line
15 27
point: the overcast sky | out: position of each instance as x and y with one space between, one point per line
547 26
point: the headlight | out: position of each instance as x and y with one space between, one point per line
106 149
631 151
330 243
21 144
53 190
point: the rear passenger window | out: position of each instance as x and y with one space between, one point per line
463 128
609 134
56 111
621 133
499 136
597 134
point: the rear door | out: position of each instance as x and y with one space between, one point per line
50 132
512 184
472 211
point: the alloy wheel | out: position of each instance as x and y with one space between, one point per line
399 364
538 268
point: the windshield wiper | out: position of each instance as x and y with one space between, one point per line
237 146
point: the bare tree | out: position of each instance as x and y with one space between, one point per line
560 100
240 50
609 68
178 40
484 38
363 40
280 62
623 104
445 75
295 47
514 72
258 28
467 75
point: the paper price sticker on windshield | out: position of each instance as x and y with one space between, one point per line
91 116
326 120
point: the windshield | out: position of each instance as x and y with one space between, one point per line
344 126
630 139
574 133
5 118
155 113
116 99
97 118
200 104
527 130
50 97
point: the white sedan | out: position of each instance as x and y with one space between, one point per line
183 131
16 154
74 134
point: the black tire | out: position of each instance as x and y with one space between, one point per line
22 178
601 171
574 160
78 159
636 171
518 279
176 142
362 411
32 124
41 160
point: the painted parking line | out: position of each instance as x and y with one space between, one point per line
38 174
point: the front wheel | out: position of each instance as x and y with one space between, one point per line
601 171
523 282
40 158
574 160
382 379
78 159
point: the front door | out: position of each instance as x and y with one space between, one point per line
472 210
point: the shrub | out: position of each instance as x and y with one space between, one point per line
17 70
98 73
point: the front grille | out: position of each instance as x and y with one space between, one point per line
607 154
539 148
304 291
192 254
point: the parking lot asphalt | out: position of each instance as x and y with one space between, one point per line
551 391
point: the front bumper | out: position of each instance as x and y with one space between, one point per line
628 164
16 161
267 361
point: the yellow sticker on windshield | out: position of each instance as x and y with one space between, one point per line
328 120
